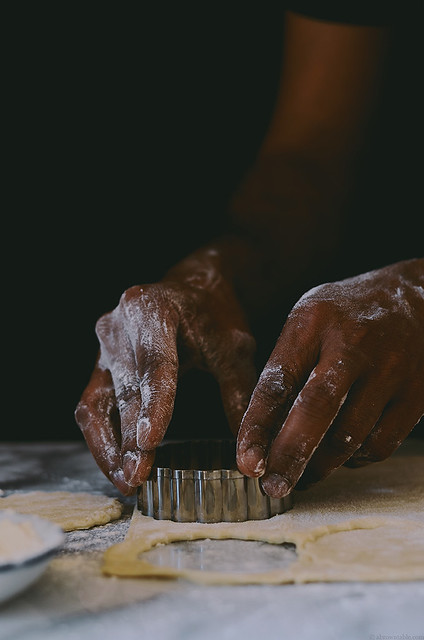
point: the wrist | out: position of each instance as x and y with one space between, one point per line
229 261
202 269
288 210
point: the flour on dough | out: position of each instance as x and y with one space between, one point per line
364 524
69 510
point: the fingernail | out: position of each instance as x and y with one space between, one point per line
275 486
254 459
134 469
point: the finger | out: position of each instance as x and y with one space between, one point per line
395 424
268 407
117 356
153 341
273 396
140 439
356 419
312 413
97 416
236 375
136 344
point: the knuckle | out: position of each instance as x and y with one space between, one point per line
294 460
354 334
343 442
276 385
307 312
141 296
130 295
291 464
103 326
318 399
271 392
160 358
99 402
126 394
81 415
392 363
152 304
351 356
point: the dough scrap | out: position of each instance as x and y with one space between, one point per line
365 524
70 510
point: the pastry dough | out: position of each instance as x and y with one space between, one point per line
70 510
364 524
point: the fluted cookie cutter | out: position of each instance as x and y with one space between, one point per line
198 481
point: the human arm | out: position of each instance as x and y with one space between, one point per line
285 222
344 383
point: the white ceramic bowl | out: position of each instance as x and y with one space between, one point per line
15 576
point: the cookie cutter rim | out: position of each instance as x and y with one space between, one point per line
206 495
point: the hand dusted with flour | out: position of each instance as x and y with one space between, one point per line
344 383
345 379
190 319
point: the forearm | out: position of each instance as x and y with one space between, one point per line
283 222
285 215
288 211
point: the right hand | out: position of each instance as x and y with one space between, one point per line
190 319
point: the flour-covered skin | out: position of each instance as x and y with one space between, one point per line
345 379
344 383
190 319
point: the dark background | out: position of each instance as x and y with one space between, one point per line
129 132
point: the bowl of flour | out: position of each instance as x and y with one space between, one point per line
27 544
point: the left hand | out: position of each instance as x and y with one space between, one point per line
190 319
344 383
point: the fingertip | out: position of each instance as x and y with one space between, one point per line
275 486
252 462
136 466
118 479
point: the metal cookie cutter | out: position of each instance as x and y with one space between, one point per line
197 481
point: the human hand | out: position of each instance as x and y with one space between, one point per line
344 383
190 319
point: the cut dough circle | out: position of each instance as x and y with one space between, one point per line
369 549
70 510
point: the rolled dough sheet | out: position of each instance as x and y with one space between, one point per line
364 524
67 509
